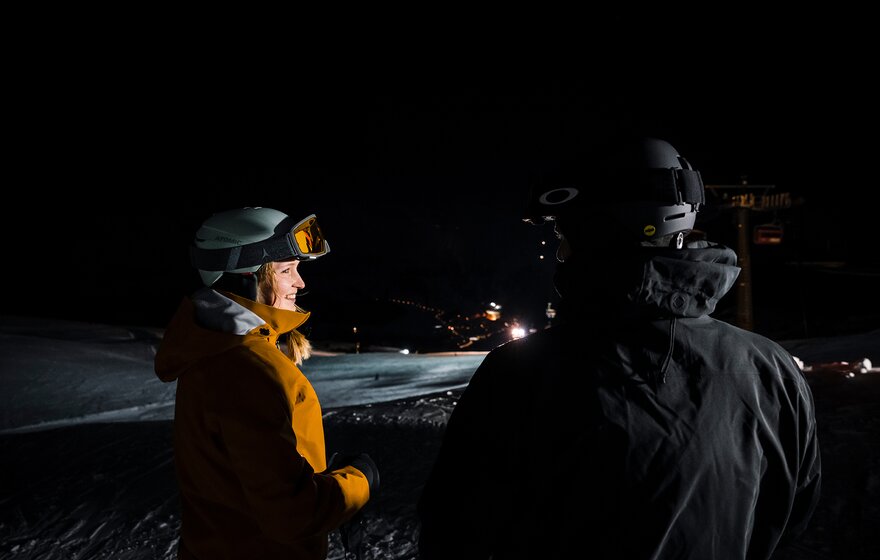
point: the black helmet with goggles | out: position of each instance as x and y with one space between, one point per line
630 190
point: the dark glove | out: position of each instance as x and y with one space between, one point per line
353 531
360 461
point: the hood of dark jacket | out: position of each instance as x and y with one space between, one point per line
210 322
653 282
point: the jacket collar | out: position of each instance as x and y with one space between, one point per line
229 313
655 282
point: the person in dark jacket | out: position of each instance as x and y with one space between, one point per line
248 434
638 427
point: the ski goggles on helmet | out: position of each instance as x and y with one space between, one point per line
301 241
562 195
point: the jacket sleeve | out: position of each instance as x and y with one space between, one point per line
454 509
287 498
809 472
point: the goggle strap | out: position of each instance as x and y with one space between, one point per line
690 184
669 186
244 256
675 186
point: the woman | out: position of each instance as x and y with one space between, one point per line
248 435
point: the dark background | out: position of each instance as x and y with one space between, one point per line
418 173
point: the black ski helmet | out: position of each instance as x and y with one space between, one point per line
629 190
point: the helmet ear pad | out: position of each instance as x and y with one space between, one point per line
210 277
240 284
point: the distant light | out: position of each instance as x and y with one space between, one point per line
541 257
543 242
405 351
493 304
517 332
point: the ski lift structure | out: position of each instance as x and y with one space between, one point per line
771 233
768 234
745 199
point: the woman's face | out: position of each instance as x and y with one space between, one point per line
287 283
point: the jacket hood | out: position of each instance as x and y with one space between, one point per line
657 282
210 322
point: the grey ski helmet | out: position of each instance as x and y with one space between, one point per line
631 190
241 240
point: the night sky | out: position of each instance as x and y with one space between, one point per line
419 180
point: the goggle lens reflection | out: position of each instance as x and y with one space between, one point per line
308 237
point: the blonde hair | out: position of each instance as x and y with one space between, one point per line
294 344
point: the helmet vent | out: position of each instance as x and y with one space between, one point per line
673 217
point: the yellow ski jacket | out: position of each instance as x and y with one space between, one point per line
248 436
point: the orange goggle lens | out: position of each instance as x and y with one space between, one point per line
309 240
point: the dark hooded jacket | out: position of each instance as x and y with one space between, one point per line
248 436
639 428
